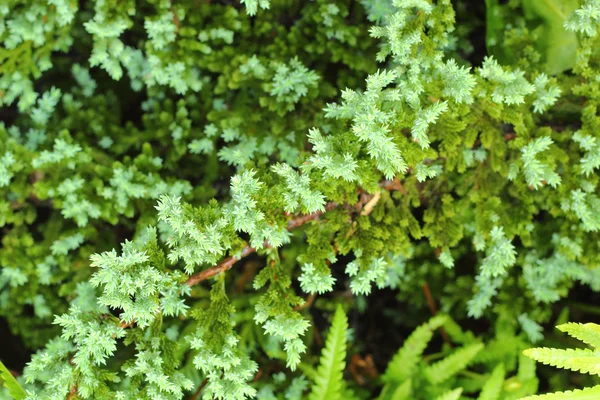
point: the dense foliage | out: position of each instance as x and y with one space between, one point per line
287 199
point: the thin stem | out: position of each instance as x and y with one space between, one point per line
433 309
226 264
223 266
307 303
195 395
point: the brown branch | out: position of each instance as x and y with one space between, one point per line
72 393
247 274
195 395
307 303
394 185
126 325
366 203
302 219
176 21
227 263
433 309
368 208
223 266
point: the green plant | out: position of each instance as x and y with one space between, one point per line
191 188
9 382
581 360
328 377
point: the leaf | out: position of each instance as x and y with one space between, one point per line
399 392
329 378
403 391
587 333
591 393
9 382
452 364
582 360
450 395
406 359
556 43
492 389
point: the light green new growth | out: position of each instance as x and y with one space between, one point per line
316 279
453 363
582 360
405 361
8 381
590 393
492 390
451 395
252 5
329 376
536 173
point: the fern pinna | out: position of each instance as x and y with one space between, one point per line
581 360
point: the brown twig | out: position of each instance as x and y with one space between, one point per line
246 276
366 202
394 185
307 303
126 325
368 208
176 20
223 266
197 393
72 393
302 219
433 309
227 263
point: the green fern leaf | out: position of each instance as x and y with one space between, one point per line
329 378
9 382
454 363
526 368
582 360
406 359
591 393
451 395
397 392
493 386
587 333
403 391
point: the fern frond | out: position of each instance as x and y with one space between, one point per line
493 386
9 382
329 378
452 364
402 391
587 333
450 395
582 360
405 361
591 393
526 368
